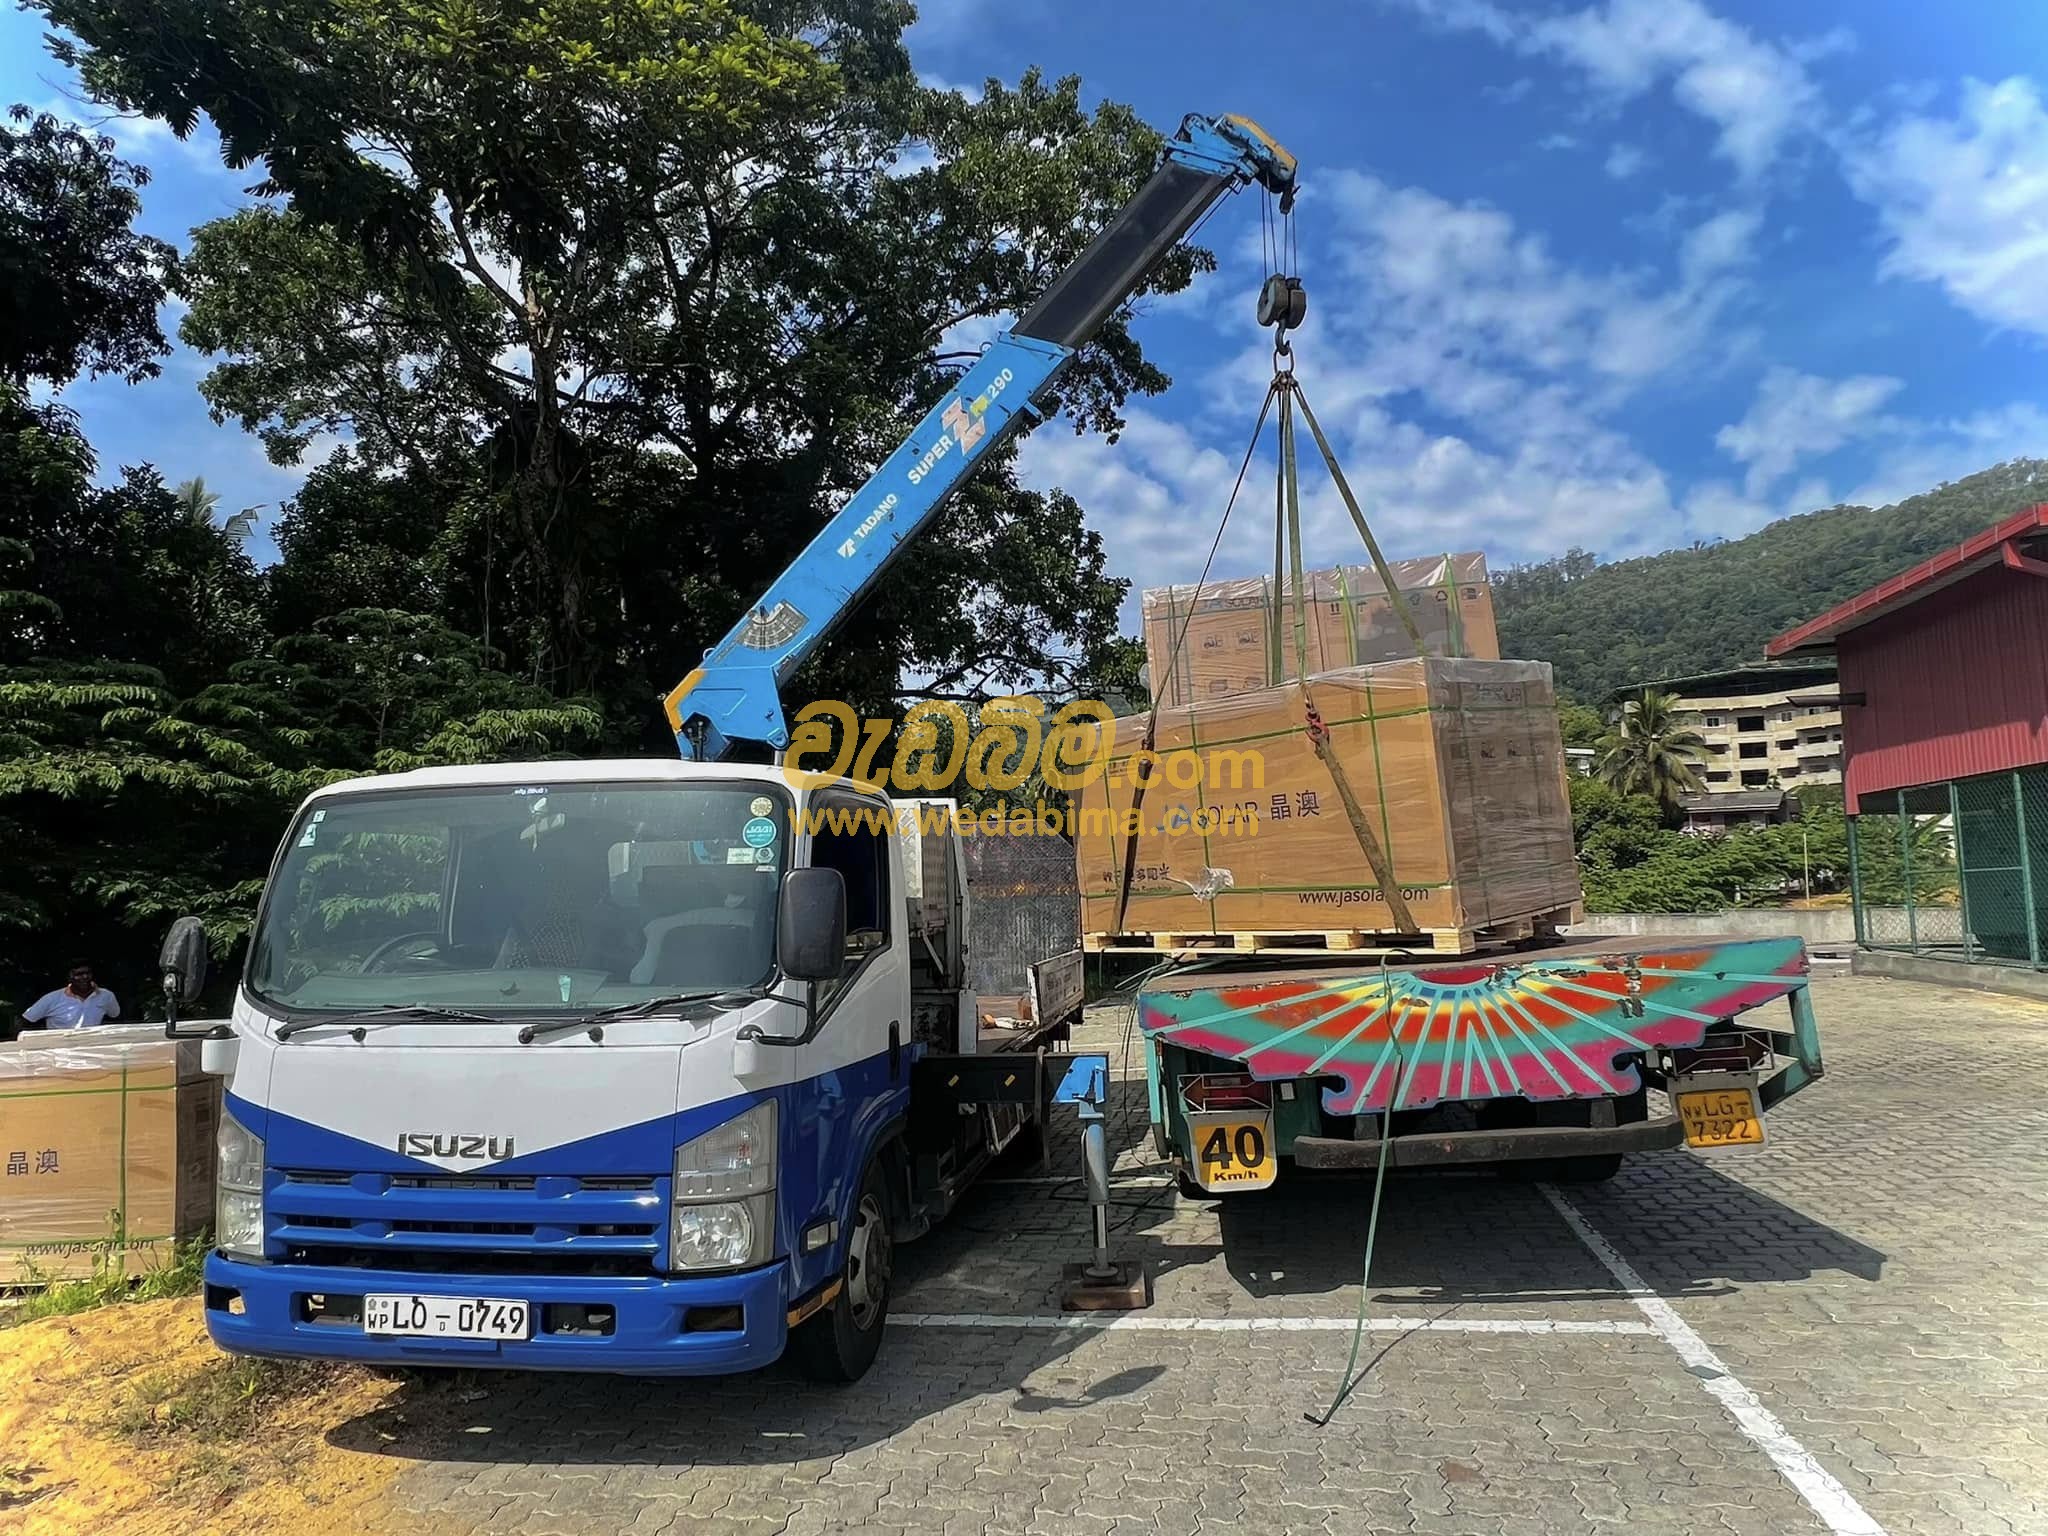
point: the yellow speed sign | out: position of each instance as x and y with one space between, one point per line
1234 1154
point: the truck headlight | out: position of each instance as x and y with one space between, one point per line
238 1190
722 1212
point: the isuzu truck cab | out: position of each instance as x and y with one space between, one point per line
596 1065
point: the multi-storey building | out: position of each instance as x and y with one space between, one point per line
1763 725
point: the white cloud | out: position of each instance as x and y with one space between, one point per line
1625 160
1464 372
1755 93
1556 141
1797 416
1718 244
1921 455
1964 200
1461 281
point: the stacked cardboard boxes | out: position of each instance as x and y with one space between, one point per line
1458 766
1211 641
106 1150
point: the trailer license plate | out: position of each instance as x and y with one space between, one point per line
1234 1154
447 1317
1721 1117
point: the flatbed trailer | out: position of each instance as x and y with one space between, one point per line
1540 1060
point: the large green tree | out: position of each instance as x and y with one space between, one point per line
79 288
668 277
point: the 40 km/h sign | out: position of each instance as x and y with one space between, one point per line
1234 1153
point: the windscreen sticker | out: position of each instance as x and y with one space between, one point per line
758 833
762 855
318 817
739 855
311 832
761 805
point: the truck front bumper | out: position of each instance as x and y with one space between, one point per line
712 1325
1446 1148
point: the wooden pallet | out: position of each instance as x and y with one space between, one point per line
1335 941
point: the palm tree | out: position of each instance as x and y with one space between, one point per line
197 503
1651 752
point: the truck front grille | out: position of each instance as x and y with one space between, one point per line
611 1224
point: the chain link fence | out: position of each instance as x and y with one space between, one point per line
1027 907
1957 870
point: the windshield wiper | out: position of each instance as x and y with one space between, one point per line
595 1022
383 1013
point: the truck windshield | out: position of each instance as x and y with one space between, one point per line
523 900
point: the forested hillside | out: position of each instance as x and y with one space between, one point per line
1692 610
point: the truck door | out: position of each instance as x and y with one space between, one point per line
856 1078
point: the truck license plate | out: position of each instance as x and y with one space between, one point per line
1728 1116
447 1317
1234 1154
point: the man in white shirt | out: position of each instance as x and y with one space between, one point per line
79 1005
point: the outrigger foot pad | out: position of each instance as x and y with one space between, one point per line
1120 1287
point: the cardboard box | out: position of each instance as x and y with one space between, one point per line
106 1150
1457 764
1222 629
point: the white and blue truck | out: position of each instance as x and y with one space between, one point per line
635 1066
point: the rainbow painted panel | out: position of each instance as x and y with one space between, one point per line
1544 1027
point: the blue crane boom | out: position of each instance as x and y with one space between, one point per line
735 696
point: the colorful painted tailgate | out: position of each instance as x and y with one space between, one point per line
1539 1057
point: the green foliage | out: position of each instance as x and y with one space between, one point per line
180 1274
1580 724
1650 752
1631 861
1606 627
634 295
79 288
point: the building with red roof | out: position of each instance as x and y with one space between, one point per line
1943 675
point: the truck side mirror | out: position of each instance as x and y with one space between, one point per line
182 961
810 928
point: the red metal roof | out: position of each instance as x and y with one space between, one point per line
1975 553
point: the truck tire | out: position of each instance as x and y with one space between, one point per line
840 1343
1592 1168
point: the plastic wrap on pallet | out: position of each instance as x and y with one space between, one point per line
106 1149
1458 766
1223 628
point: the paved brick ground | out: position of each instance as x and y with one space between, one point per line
1873 1275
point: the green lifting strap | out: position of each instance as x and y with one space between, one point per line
1319 733
1142 760
1372 545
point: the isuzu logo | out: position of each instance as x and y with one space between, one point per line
434 1144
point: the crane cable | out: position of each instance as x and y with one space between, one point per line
1143 759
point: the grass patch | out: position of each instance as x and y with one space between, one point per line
179 1275
220 1400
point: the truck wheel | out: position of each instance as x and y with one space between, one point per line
1592 1168
1595 1169
840 1343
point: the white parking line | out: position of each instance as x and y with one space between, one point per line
1146 1322
1834 1504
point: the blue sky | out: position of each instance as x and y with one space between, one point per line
1621 275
